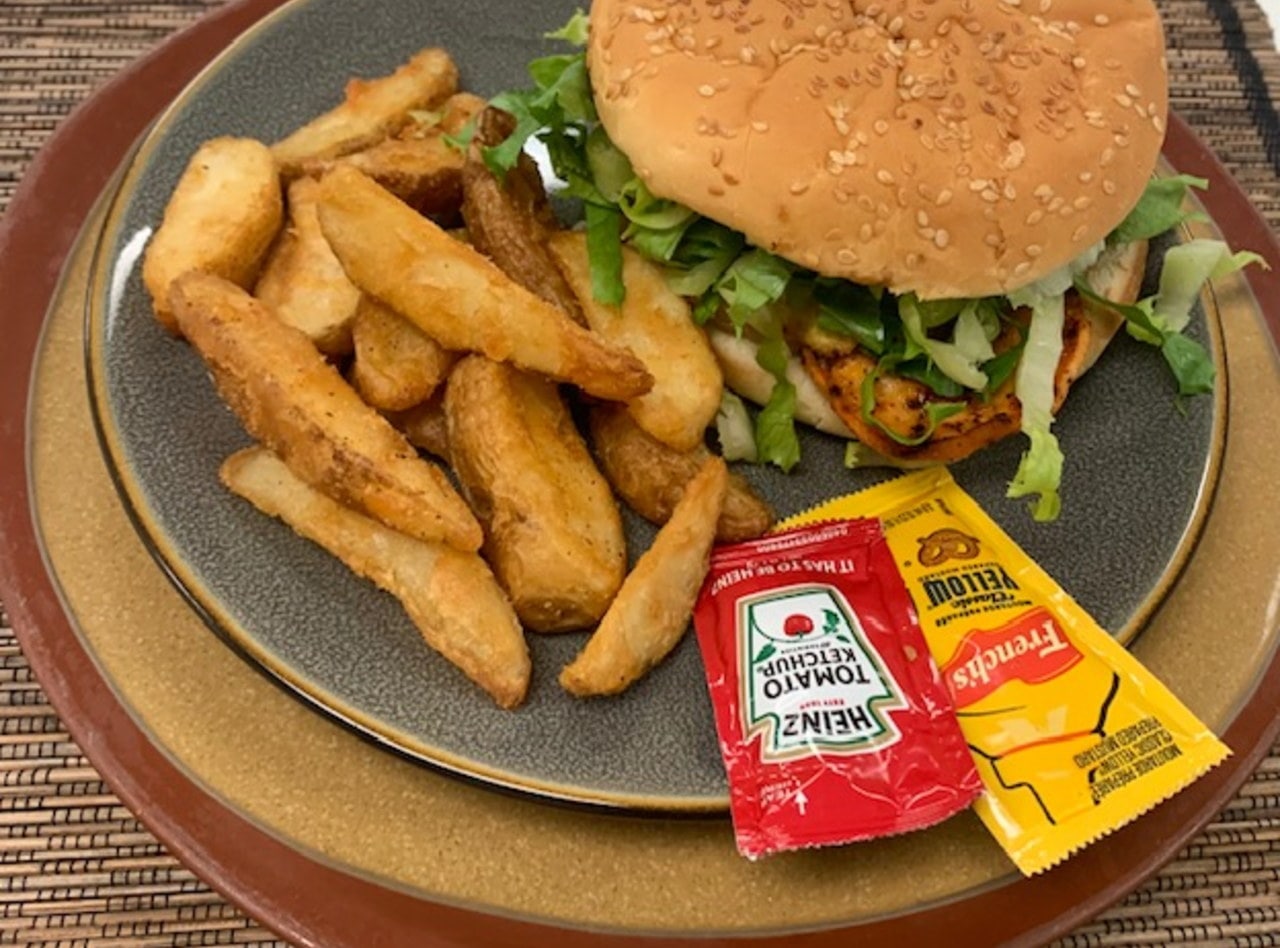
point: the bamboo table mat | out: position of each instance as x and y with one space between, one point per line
76 869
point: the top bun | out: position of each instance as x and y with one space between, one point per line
952 148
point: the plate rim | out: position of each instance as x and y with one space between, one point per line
39 622
185 576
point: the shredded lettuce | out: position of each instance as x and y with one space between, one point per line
776 439
734 429
959 359
604 251
755 280
575 31
1159 320
1187 267
1159 210
1040 469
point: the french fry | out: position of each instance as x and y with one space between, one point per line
221 218
425 426
372 110
651 477
504 224
303 283
451 596
299 406
552 529
396 366
652 610
459 298
425 173
655 324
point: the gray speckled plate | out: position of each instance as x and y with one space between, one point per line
1138 480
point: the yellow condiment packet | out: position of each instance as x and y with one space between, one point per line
1073 738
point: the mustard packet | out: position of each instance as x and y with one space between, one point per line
1073 738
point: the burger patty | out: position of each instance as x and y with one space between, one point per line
901 404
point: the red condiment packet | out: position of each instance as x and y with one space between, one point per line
834 722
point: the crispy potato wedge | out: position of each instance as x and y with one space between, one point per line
425 426
655 324
457 296
653 608
459 109
299 406
396 365
651 477
552 529
372 110
451 596
504 224
222 218
425 173
303 283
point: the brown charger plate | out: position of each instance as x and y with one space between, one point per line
313 899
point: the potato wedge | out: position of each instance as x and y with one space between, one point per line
459 109
372 110
653 608
459 298
221 218
655 324
425 426
651 477
425 173
504 226
396 365
303 283
451 596
552 529
299 406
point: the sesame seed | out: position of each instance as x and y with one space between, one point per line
1034 250
707 91
1035 217
922 218
913 259
884 177
846 256
1085 177
944 197
941 239
1021 268
881 127
799 187
1102 19
865 232
1078 233
1108 187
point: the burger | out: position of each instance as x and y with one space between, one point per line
912 224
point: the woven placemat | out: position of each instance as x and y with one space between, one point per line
76 869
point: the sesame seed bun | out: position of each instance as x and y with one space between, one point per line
954 148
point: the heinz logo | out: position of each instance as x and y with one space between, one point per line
1031 649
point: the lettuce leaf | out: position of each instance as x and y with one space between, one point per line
1039 471
1158 210
776 439
734 429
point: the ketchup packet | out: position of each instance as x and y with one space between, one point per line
834 723
1072 736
